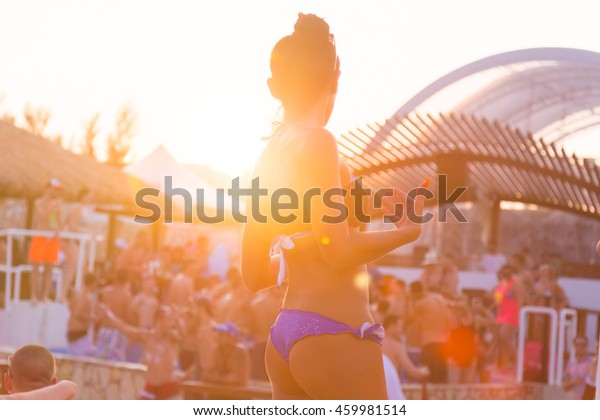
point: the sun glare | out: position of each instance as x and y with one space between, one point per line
227 134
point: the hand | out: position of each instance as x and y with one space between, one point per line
423 372
400 201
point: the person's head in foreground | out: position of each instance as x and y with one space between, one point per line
31 367
305 68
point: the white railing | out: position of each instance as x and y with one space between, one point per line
83 240
567 330
523 315
598 372
563 329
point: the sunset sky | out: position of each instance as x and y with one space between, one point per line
195 71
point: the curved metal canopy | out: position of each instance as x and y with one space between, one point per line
550 92
481 134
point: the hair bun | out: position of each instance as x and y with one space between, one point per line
311 27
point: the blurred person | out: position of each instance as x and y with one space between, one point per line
577 369
161 346
412 330
462 345
81 305
188 314
78 221
509 299
133 258
393 293
394 348
43 251
181 288
201 319
448 285
431 276
492 260
265 307
376 296
589 392
31 367
324 343
199 252
547 290
432 314
524 277
547 293
142 314
486 329
229 362
111 344
528 260
144 305
216 287
235 304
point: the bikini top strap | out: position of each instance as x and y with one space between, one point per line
282 243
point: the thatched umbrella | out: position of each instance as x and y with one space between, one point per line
28 162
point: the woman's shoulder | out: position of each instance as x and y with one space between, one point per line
295 148
318 138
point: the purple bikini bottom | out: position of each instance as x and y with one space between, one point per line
293 324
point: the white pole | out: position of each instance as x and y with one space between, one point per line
565 334
525 311
92 255
598 371
553 333
521 347
9 261
80 262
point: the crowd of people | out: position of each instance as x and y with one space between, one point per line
166 309
464 337
163 309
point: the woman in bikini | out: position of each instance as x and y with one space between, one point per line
324 344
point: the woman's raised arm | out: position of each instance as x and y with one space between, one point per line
340 246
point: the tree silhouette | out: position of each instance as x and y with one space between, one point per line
36 120
9 118
91 132
118 143
5 116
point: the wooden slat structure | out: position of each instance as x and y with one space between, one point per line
491 159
